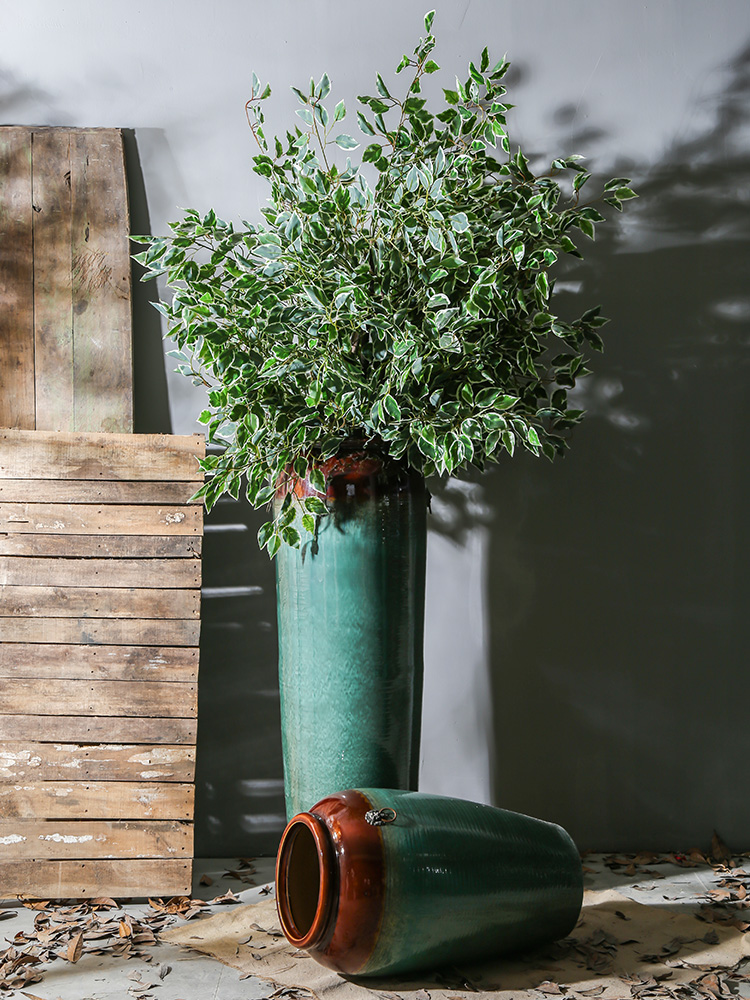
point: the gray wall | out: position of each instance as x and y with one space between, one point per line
585 629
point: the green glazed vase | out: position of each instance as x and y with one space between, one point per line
351 623
374 882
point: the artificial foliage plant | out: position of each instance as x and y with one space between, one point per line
405 304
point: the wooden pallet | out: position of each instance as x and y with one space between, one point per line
99 624
65 312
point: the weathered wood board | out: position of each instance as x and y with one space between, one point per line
65 293
123 573
78 879
97 729
99 625
22 762
114 663
85 800
133 546
96 457
76 840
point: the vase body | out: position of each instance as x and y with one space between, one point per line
351 621
421 882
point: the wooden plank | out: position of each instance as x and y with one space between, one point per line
93 491
23 839
114 663
86 519
64 455
159 573
113 546
16 280
119 800
24 761
98 602
101 631
70 729
103 363
53 297
25 696
84 879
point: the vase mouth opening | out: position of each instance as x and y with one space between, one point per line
303 880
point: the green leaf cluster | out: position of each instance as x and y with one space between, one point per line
413 311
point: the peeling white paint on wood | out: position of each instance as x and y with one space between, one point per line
59 838
159 755
8 758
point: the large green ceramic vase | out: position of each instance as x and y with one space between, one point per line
351 623
374 882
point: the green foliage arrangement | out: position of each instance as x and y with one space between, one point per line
410 310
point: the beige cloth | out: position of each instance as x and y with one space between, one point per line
616 943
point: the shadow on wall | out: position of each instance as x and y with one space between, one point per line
614 585
150 398
17 97
239 780
239 808
617 587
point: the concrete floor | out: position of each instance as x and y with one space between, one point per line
195 977
191 977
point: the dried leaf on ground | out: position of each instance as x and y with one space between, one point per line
75 948
226 897
719 850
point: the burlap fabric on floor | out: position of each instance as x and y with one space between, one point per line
619 949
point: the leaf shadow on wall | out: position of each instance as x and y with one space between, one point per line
617 588
17 97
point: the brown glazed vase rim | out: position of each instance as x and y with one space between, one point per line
320 921
346 925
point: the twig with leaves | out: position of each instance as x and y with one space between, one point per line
415 315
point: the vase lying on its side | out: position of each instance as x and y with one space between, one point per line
375 881
351 623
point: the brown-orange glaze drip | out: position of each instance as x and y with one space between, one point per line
353 475
345 928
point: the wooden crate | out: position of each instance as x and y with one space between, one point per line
99 623
65 309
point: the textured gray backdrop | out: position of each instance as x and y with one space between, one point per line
586 622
